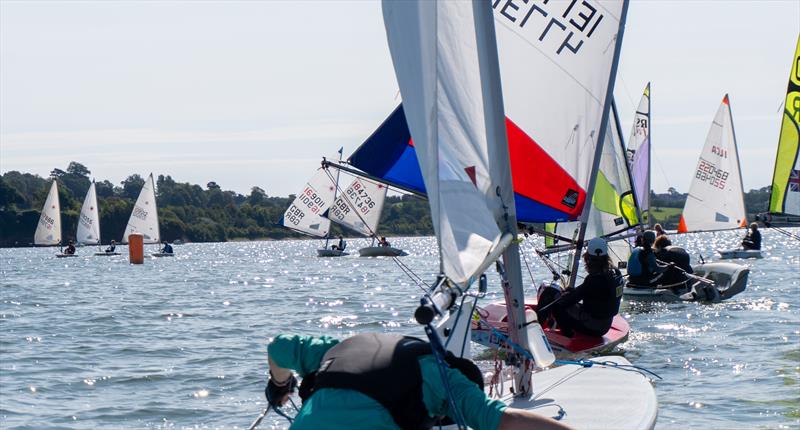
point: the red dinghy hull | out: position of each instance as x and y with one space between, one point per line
563 346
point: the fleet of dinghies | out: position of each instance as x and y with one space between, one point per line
143 220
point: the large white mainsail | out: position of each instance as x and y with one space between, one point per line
359 206
305 212
453 105
785 193
639 152
89 219
144 218
48 231
716 197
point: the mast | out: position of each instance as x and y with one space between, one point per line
599 146
738 162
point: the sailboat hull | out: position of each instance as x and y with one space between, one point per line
163 254
381 251
66 255
729 280
740 253
106 254
564 347
331 253
604 396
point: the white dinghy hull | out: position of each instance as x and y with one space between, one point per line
381 251
739 253
597 397
106 254
331 253
729 279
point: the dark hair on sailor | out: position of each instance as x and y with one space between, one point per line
662 242
597 264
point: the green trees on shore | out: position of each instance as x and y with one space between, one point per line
186 211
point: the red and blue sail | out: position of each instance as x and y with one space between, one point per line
543 190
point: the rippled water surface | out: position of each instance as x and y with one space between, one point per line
94 342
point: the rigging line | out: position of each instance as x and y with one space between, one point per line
260 417
525 259
658 161
628 94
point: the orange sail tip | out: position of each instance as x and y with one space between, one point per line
682 224
744 223
725 99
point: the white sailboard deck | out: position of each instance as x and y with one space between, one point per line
597 397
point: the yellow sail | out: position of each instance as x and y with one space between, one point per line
785 198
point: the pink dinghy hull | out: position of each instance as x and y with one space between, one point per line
578 345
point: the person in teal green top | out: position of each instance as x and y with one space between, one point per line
383 381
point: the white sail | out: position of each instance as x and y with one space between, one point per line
144 218
555 60
48 231
446 65
359 206
716 197
613 207
305 212
89 220
639 151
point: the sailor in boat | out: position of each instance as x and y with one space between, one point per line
167 249
111 246
70 249
643 269
383 381
666 253
339 246
383 242
752 240
589 308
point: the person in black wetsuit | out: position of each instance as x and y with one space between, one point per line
70 249
590 307
167 249
753 238
677 258
111 246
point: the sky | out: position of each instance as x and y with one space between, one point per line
254 93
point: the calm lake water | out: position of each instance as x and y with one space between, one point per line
94 342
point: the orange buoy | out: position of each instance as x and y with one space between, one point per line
136 248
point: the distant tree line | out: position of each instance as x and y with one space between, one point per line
755 201
186 211
195 214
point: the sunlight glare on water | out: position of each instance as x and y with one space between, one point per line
94 342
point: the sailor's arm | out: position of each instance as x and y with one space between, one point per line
514 419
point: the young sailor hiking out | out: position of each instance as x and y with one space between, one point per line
383 381
590 307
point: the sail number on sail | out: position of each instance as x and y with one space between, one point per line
358 197
140 213
708 172
554 19
86 221
47 221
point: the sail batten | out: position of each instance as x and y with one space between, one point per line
716 196
144 217
89 220
785 191
48 230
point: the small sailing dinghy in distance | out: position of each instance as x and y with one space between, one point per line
89 222
359 208
304 215
144 217
48 230
445 58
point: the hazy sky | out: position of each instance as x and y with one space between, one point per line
254 93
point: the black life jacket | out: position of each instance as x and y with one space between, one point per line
384 367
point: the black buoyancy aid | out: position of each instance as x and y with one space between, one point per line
384 367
